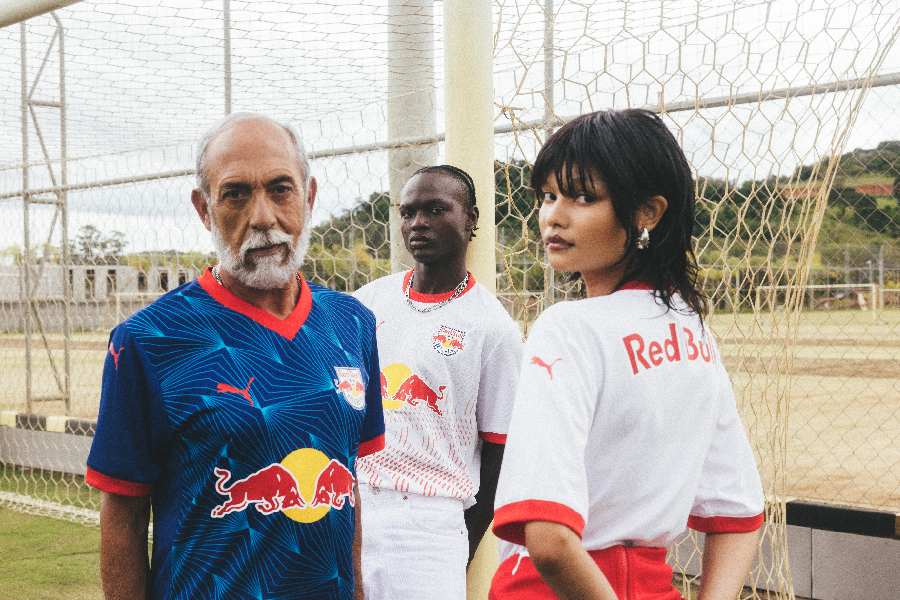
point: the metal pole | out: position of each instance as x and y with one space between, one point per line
550 292
411 105
64 221
469 110
548 60
468 121
226 23
26 198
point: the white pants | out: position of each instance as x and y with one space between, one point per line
414 547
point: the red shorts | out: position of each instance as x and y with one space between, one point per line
634 573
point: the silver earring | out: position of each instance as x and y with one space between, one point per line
644 240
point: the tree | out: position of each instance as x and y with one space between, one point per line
92 246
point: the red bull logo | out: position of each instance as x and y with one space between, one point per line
271 488
401 387
349 384
334 484
305 486
448 341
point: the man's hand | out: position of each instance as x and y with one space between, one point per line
479 516
124 561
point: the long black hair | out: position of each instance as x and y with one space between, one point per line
637 157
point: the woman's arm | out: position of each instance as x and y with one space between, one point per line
564 564
727 558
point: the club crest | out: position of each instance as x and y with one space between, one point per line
350 384
448 341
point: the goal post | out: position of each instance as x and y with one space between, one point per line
16 11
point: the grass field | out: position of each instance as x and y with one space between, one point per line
47 559
842 443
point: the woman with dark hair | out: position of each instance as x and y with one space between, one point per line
624 427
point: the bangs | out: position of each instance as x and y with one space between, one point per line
575 156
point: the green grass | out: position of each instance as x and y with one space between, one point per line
46 558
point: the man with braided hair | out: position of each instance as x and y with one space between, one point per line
450 361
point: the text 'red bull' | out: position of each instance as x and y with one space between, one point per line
636 346
272 488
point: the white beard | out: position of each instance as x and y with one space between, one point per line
267 272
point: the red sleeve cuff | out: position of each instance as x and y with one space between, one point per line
494 438
116 486
371 447
726 524
509 520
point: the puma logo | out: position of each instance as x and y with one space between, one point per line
115 354
379 325
224 388
537 361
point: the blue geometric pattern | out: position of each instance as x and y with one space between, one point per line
178 402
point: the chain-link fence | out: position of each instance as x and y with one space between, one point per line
786 110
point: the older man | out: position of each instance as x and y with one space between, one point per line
236 405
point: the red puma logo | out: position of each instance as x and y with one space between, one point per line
537 361
224 388
379 325
115 354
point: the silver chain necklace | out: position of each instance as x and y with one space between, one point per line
459 290
215 272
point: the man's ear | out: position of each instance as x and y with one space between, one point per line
650 212
473 215
311 193
201 206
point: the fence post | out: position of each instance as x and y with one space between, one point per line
469 118
410 105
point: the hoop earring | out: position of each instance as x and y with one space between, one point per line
644 241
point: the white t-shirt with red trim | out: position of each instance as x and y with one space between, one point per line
625 428
447 377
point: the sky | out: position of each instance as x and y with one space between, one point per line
144 79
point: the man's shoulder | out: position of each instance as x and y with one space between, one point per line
377 289
490 309
174 303
343 303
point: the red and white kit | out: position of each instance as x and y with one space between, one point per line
447 381
625 430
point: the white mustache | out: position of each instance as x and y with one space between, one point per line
263 239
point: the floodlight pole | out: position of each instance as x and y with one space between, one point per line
469 119
410 105
469 126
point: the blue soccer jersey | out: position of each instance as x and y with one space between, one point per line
245 430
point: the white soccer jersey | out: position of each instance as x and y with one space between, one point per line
447 378
625 428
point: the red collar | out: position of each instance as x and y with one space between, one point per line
434 298
635 284
287 328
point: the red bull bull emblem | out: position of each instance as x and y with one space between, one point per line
448 341
350 384
304 487
401 387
